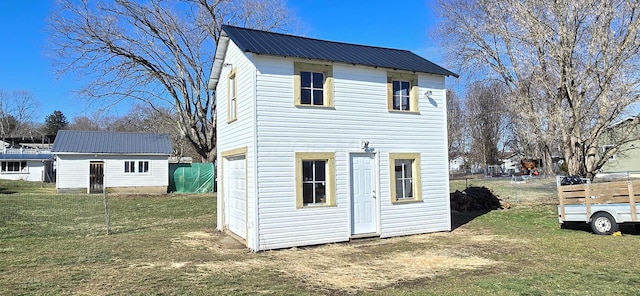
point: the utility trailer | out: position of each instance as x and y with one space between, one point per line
603 205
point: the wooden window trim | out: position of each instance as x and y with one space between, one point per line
330 174
327 70
232 84
417 177
413 100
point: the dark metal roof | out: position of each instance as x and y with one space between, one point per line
262 42
26 156
111 142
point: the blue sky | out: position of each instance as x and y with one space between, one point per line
25 64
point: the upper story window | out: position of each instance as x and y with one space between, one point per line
606 148
232 98
312 88
313 85
401 95
402 92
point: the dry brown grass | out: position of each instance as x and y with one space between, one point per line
353 267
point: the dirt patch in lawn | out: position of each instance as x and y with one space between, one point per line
353 267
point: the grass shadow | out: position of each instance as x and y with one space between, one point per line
459 219
4 190
628 228
121 230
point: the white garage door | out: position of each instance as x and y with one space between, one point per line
235 197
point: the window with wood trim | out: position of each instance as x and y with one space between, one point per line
405 182
313 84
402 92
315 179
232 97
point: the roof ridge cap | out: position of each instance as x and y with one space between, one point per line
315 39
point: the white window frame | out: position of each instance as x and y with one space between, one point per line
141 166
129 167
23 167
412 80
232 98
329 182
327 85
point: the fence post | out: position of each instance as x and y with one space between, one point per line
107 214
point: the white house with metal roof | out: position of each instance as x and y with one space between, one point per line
90 161
26 166
322 142
26 158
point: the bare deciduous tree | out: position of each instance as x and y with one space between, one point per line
571 66
84 123
486 120
157 51
16 112
455 125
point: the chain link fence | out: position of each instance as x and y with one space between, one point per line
44 215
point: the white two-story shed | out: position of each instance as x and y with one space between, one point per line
322 142
90 161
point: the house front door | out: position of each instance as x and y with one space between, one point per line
96 176
364 199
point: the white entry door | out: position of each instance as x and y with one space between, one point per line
235 196
364 199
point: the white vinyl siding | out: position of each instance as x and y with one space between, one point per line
73 170
34 171
272 129
240 132
360 113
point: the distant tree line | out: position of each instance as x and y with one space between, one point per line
17 120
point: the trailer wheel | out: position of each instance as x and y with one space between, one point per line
603 223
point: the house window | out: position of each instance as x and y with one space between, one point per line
143 166
313 85
405 183
14 167
315 179
402 92
401 95
129 166
606 148
232 102
312 88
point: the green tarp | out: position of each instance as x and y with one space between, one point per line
191 177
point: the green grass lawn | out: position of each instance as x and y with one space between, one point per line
54 244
